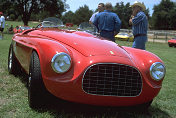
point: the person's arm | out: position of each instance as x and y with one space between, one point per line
95 22
0 22
117 24
138 18
92 18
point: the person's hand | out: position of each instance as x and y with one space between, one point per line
130 21
131 17
115 33
90 22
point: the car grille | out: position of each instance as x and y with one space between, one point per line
112 80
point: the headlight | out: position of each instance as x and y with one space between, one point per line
61 62
157 71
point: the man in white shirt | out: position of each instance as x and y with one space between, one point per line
100 9
2 23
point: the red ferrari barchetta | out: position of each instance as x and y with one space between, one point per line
81 67
172 42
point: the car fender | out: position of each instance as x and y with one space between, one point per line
143 60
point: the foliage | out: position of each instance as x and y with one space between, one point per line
40 16
83 14
54 7
24 9
68 17
124 12
6 6
164 15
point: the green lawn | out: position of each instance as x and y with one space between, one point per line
14 101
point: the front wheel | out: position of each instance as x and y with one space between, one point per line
36 88
170 45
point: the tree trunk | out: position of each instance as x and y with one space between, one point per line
25 22
26 18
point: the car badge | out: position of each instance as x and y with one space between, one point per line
112 52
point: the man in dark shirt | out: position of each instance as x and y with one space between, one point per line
108 23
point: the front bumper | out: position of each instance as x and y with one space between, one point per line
73 91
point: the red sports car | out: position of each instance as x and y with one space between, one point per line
172 42
19 29
81 67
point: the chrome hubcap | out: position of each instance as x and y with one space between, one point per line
10 60
29 80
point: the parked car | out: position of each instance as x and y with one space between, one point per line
69 24
81 67
19 29
172 42
125 37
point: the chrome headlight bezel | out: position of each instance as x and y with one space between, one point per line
157 71
61 62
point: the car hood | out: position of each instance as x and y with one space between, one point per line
85 43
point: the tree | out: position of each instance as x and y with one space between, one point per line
124 13
83 14
54 7
7 9
68 17
25 8
163 17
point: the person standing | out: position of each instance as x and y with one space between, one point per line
2 23
107 23
139 24
100 9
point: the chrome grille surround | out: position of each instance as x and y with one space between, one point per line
112 79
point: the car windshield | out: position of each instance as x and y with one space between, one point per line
90 28
51 22
25 28
125 34
174 38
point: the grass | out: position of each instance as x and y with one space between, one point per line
14 101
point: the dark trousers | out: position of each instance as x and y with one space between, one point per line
139 42
108 34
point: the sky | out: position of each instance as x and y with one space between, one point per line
92 4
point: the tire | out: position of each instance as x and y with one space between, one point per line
170 45
13 65
36 88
